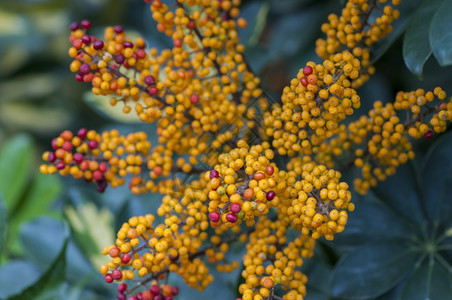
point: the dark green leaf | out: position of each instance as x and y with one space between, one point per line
53 277
385 225
371 270
15 276
44 238
416 45
429 281
406 8
15 159
401 195
256 15
43 191
437 180
441 35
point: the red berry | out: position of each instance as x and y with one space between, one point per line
121 297
85 69
118 28
60 165
86 39
269 170
175 290
270 195
116 274
125 258
54 144
307 70
235 207
108 278
191 24
119 59
82 132
153 90
428 135
74 26
103 167
140 53
231 217
127 44
51 158
78 157
214 174
149 80
79 77
304 81
85 24
194 98
155 289
122 287
93 144
214 216
97 175
177 43
98 45
67 146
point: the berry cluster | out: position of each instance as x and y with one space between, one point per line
270 263
317 200
315 102
353 31
243 186
214 163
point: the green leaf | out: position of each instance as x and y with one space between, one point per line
43 191
406 9
385 225
53 277
441 35
429 281
437 180
46 240
371 270
15 159
45 236
400 193
92 230
15 276
256 15
416 46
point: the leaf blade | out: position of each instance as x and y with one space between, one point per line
416 45
441 35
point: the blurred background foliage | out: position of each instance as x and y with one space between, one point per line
52 229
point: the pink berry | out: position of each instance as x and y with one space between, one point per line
86 24
122 287
214 174
82 133
231 217
125 258
235 207
155 289
108 278
149 80
93 144
116 274
214 216
78 157
194 98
